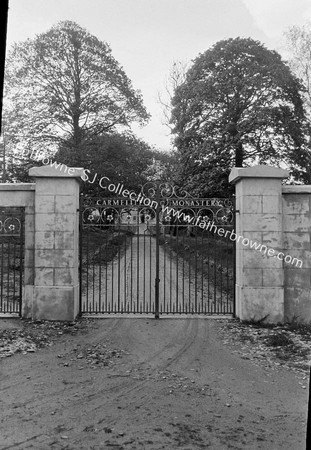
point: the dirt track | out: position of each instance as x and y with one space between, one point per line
174 386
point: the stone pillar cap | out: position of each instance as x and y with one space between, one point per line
238 173
56 171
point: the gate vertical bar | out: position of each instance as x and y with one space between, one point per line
21 260
157 279
2 275
80 254
234 254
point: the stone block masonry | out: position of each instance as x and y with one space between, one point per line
297 230
279 216
51 268
56 230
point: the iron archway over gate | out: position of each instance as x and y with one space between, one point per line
161 252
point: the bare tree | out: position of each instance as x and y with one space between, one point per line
175 78
298 47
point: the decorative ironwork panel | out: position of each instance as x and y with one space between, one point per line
11 259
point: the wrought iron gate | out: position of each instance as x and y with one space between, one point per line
159 252
11 259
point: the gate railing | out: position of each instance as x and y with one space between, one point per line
11 259
144 257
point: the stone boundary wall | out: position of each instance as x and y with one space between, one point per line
296 204
269 213
51 280
278 216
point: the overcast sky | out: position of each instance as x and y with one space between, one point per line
146 36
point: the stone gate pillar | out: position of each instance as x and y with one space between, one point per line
259 273
56 243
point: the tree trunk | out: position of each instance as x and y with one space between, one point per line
237 144
239 155
77 140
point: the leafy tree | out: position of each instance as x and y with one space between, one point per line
65 87
164 167
123 158
240 104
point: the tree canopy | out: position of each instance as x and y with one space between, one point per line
64 86
123 158
240 103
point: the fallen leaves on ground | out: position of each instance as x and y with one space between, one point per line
96 355
279 345
27 336
276 345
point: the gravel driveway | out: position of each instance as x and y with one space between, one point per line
148 384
